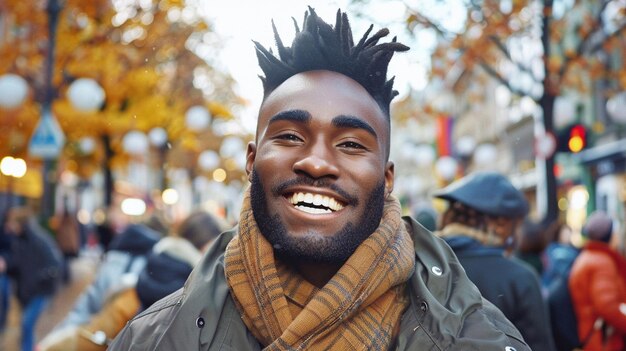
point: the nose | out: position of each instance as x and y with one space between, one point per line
317 162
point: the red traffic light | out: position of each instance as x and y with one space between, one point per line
577 138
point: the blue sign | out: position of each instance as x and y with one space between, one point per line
48 138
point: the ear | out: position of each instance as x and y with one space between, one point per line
250 155
389 178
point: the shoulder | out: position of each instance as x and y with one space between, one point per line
589 260
446 307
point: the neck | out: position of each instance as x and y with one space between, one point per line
316 273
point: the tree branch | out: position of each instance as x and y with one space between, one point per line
598 46
429 23
505 51
497 76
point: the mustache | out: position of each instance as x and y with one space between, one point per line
318 183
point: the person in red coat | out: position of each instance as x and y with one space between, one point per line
598 288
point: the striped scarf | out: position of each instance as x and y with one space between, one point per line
358 309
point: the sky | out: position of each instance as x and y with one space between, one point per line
239 22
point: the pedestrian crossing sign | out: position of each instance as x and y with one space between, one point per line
48 138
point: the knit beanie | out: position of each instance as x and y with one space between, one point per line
599 227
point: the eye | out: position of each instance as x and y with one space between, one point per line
352 145
288 137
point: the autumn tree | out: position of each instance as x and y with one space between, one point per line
152 58
581 43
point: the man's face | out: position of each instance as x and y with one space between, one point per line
319 168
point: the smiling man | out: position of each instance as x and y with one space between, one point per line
321 258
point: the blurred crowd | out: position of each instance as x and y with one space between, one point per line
138 264
559 295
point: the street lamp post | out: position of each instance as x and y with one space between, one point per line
49 165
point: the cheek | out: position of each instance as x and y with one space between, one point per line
363 169
269 156
269 162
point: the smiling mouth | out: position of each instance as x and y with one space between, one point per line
314 203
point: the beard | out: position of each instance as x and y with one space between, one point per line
335 249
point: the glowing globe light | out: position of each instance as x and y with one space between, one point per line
208 160
13 167
86 95
197 118
446 167
87 145
424 155
157 136
133 207
170 196
13 90
485 155
135 143
231 146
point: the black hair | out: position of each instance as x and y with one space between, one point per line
458 212
319 46
199 228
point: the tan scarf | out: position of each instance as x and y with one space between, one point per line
358 309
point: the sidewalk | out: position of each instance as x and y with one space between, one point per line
82 268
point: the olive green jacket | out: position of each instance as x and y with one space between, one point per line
446 312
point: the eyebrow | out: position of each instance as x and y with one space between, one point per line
299 116
347 121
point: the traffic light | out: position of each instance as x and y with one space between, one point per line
573 138
577 138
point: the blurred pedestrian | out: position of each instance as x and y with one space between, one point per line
598 287
530 243
167 269
484 212
174 256
558 258
119 269
68 238
35 266
5 286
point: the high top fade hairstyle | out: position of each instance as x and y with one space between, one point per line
320 46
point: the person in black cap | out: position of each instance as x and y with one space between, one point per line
597 285
484 212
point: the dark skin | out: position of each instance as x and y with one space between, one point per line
325 127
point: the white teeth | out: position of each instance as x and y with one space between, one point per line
313 210
316 200
308 198
326 201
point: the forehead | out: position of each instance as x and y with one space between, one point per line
324 94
